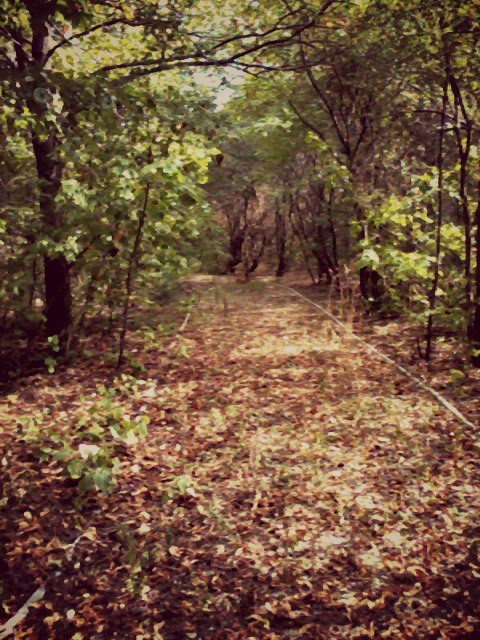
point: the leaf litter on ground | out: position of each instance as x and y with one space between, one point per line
288 486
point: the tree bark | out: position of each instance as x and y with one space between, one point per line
58 297
301 241
128 286
235 248
281 241
475 328
462 122
37 95
33 285
438 238
325 264
333 233
237 229
256 259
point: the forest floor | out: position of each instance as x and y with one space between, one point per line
290 485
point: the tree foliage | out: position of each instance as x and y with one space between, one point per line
351 143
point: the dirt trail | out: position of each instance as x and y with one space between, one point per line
290 486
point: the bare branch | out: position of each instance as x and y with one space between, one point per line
434 112
305 122
82 34
203 58
345 144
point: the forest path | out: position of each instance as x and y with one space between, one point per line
290 486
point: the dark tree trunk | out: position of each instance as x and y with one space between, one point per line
376 288
128 285
438 235
371 286
58 297
333 233
370 280
258 257
236 246
281 266
281 242
322 266
33 286
475 328
463 122
325 264
297 232
38 93
364 280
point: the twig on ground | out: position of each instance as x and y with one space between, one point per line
438 397
9 627
183 326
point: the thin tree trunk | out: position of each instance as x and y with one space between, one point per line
236 247
438 237
238 226
322 254
313 246
258 257
111 308
475 330
33 286
90 292
128 286
467 225
464 149
333 233
297 233
370 279
280 241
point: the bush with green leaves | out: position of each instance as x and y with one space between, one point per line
400 244
89 447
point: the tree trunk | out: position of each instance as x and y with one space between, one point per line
364 281
325 263
371 286
475 328
33 285
297 233
438 235
236 246
58 297
281 242
333 233
128 285
461 123
467 227
38 94
370 280
259 255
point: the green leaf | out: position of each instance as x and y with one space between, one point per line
103 479
86 483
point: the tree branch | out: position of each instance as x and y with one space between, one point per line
305 122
